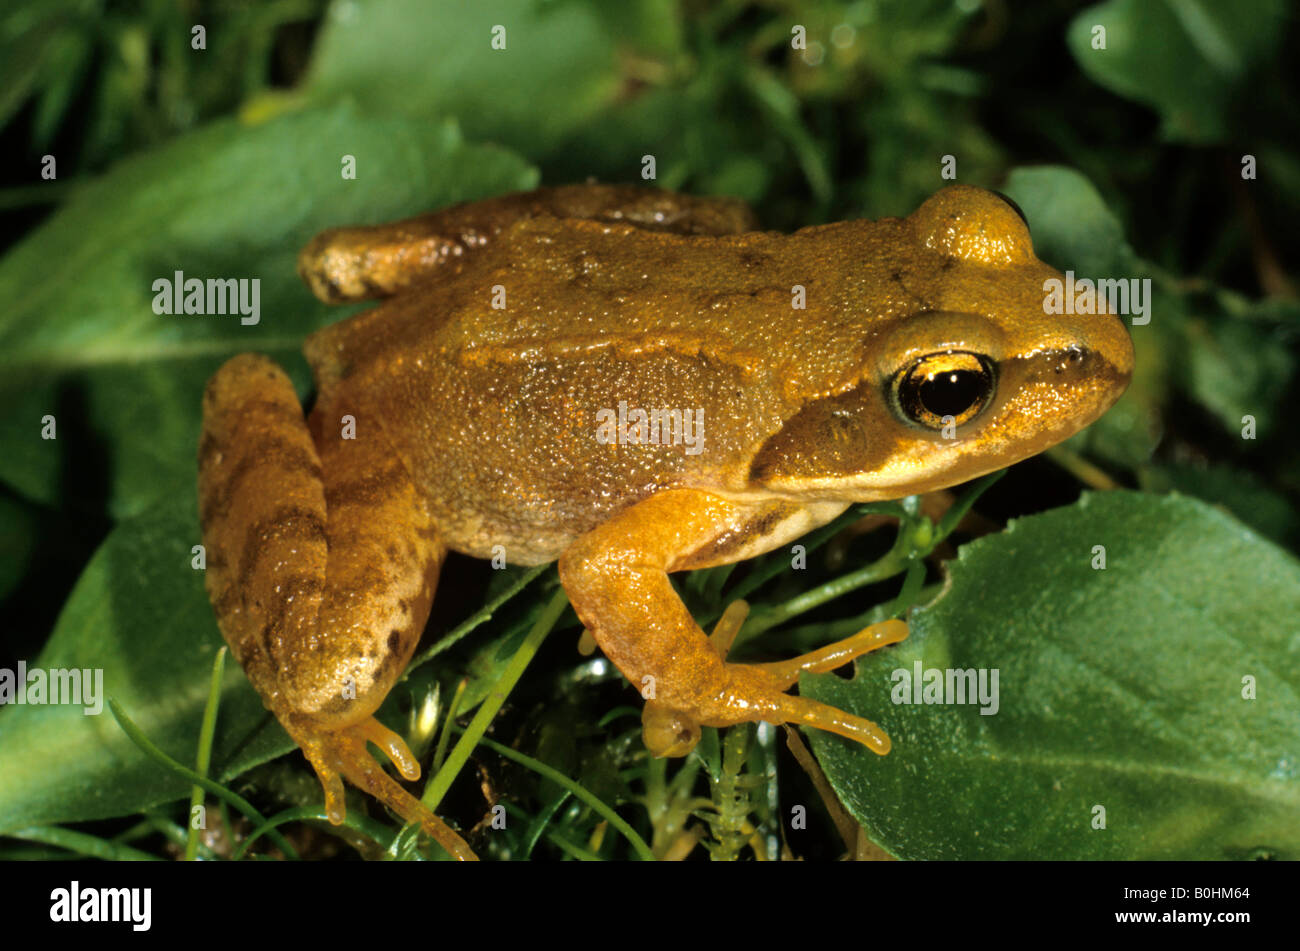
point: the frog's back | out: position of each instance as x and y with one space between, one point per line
567 285
505 404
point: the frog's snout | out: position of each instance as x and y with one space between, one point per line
1067 383
1074 367
1094 361
1074 384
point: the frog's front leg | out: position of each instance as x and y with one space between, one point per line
345 264
616 577
321 569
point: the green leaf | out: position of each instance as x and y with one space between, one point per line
1240 359
139 613
1239 491
1071 225
79 339
560 66
1120 688
1187 59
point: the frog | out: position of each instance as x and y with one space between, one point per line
485 406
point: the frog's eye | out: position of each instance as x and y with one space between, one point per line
952 383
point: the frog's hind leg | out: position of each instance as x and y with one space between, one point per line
321 570
348 264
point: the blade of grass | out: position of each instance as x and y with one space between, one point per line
481 616
1083 470
83 844
541 821
172 832
444 737
204 756
371 829
891 563
576 851
811 542
579 792
958 510
459 755
239 802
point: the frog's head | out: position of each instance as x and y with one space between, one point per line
978 371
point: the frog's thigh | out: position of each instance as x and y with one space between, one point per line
323 562
345 264
616 577
321 569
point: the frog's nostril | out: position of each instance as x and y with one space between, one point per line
1072 358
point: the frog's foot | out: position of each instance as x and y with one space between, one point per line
339 754
671 732
751 693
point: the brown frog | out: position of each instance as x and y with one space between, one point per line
632 382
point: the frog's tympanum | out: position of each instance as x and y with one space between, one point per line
632 382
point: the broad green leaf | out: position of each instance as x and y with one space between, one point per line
1072 227
1120 688
79 340
1187 59
559 68
1240 491
139 613
1239 359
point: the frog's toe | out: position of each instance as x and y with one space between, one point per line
392 744
787 672
753 692
329 770
747 693
757 692
824 717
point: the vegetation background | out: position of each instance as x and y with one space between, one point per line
1121 688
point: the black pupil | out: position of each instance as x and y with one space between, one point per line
951 392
